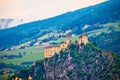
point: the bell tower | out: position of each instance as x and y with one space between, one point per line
80 40
83 39
68 40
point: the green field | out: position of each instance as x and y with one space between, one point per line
36 53
107 28
60 40
32 54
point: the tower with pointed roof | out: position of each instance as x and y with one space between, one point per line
83 39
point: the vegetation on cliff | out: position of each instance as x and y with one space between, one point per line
108 41
78 62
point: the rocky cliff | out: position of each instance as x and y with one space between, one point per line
82 63
78 62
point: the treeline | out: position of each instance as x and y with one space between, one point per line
77 62
11 66
108 41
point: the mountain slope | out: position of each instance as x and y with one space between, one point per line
101 13
79 62
108 41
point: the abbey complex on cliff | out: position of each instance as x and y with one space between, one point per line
49 51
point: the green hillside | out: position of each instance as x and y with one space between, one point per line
78 62
101 13
101 22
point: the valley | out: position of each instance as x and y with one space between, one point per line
31 53
22 47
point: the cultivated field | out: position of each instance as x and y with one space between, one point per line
29 54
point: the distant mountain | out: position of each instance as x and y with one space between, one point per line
78 62
99 14
8 23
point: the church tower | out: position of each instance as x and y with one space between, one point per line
68 41
83 39
80 40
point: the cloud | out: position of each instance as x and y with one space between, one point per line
11 8
40 9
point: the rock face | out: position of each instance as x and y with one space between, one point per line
81 63
57 68
78 62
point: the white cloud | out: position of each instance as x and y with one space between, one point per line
40 9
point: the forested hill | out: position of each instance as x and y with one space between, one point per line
102 13
78 62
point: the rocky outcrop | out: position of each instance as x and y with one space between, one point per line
78 62
81 63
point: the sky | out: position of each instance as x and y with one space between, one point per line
40 9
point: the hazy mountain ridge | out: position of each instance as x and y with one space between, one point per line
76 63
8 23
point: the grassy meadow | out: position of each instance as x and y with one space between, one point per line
36 53
32 54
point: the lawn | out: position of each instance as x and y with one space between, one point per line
44 36
59 40
107 28
32 54
116 25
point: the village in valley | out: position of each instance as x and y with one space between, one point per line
46 45
43 41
